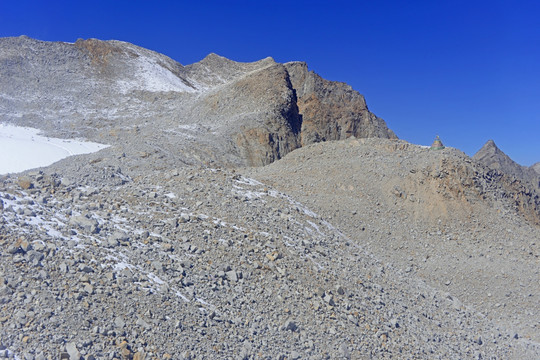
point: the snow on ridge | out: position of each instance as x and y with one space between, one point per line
151 75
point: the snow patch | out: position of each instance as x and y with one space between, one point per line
179 294
22 148
155 279
248 181
150 75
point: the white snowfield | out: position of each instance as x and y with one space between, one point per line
21 148
151 74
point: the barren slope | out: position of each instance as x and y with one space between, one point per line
203 263
434 214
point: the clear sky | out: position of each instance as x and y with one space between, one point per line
468 71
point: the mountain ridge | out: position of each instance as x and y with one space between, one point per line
117 87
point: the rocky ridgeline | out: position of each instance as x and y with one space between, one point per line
203 263
536 167
216 112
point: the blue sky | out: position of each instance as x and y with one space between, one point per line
466 70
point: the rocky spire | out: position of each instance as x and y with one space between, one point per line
493 157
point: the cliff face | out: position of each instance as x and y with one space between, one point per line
257 111
216 111
332 110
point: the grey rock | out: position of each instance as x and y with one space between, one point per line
232 275
290 325
329 299
85 268
87 224
34 256
119 322
344 351
295 355
71 349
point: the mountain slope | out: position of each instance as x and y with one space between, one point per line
153 248
434 214
205 263
216 111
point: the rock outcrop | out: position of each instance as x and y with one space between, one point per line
332 110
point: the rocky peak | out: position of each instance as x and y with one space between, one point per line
215 70
490 155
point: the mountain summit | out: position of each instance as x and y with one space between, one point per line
490 155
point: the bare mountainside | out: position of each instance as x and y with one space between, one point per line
434 214
166 246
203 263
214 111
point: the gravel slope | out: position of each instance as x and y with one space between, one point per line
430 213
205 263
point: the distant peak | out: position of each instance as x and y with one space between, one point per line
490 154
215 60
213 57
301 64
267 59
489 146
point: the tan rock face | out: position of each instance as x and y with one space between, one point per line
98 51
331 110
305 109
258 146
25 183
